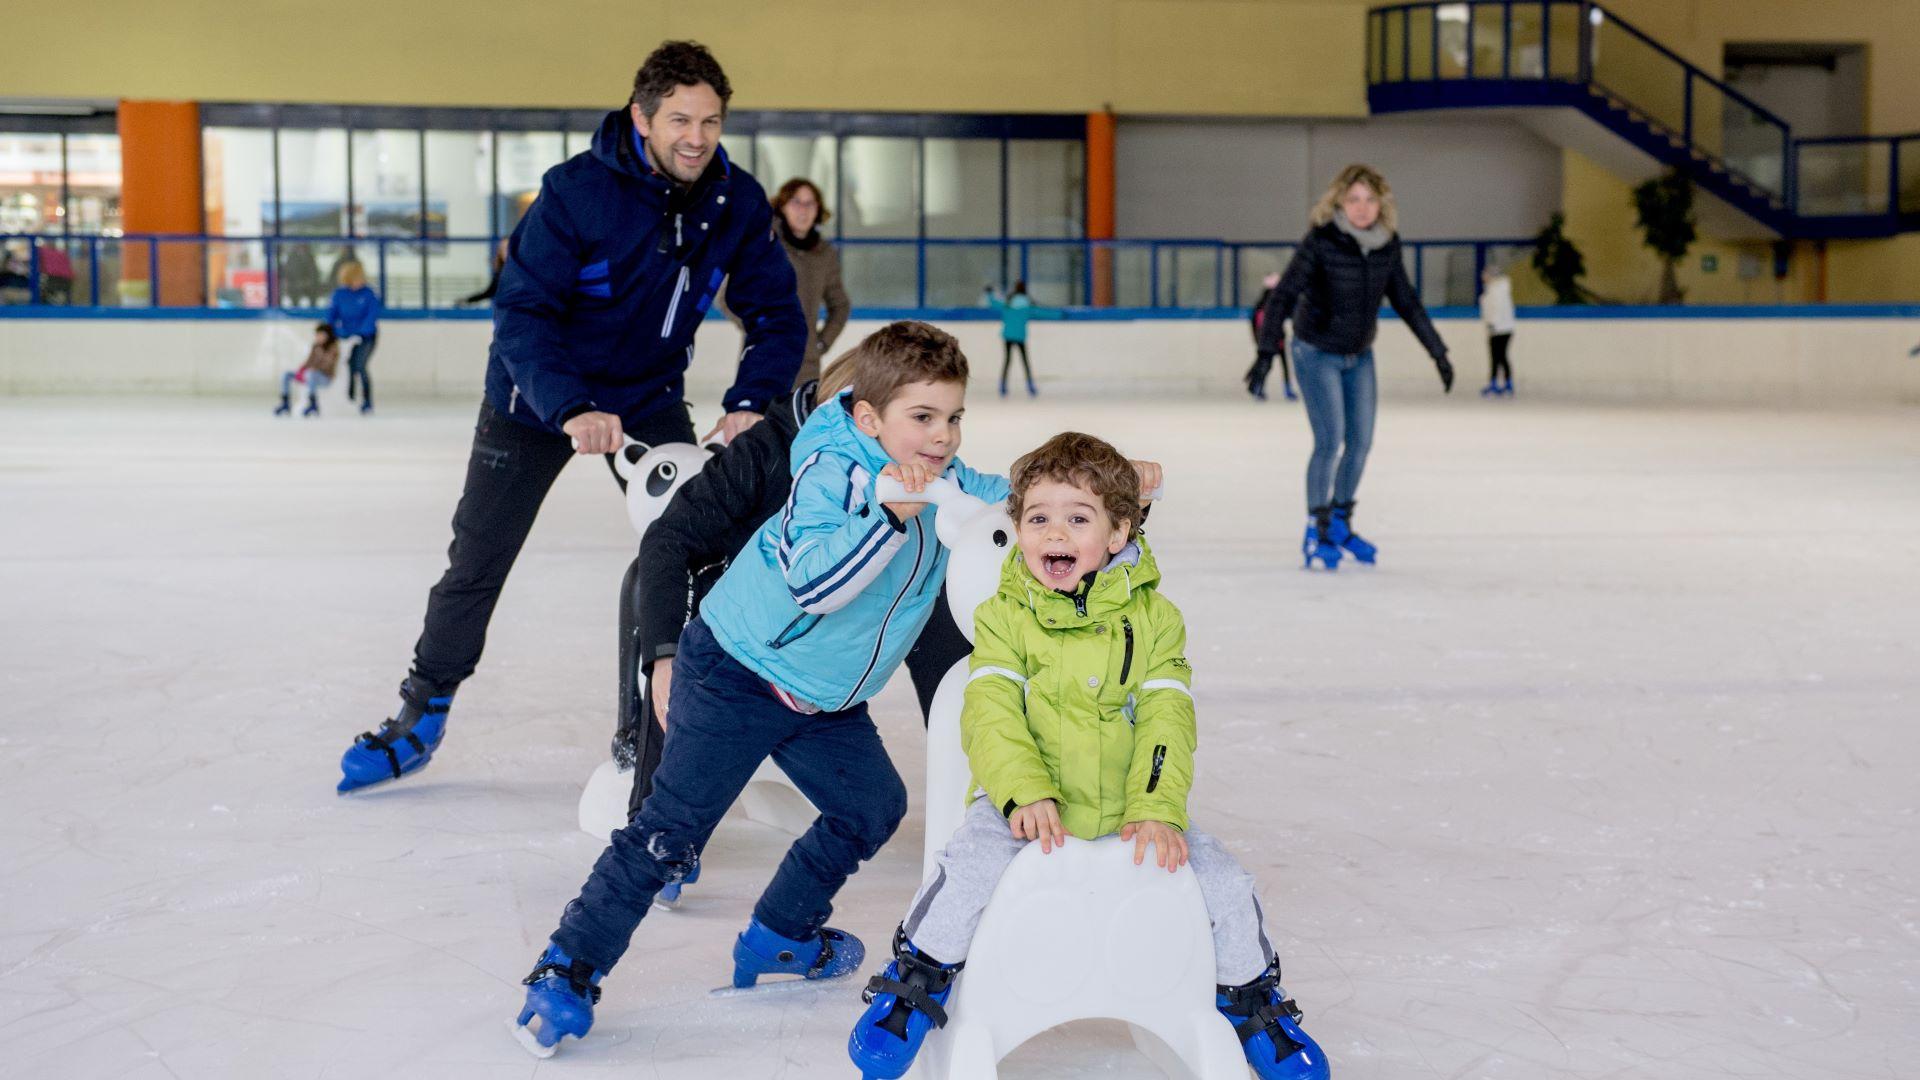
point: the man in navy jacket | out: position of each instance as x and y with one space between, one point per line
607 277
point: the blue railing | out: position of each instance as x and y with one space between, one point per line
240 274
1543 52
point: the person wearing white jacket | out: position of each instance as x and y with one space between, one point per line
1496 310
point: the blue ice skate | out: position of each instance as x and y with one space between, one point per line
1318 543
669 895
759 951
904 1002
1268 1024
404 744
561 994
1340 531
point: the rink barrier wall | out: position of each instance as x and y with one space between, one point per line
1772 356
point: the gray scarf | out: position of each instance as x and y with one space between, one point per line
1372 239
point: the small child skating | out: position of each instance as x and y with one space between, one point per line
323 359
354 312
804 626
1016 310
1496 310
1077 640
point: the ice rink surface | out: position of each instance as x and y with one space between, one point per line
1608 769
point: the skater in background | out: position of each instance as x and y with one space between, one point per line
1256 378
590 346
1331 291
800 211
805 625
1015 310
1496 310
316 373
354 313
493 282
1078 601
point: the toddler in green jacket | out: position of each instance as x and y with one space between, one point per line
1077 641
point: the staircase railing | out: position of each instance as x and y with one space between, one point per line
1581 43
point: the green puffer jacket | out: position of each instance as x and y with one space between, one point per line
1085 699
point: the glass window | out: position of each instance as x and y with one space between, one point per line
313 182
1046 188
93 184
237 180
882 275
882 186
957 274
30 173
525 156
579 142
963 187
386 184
459 203
780 158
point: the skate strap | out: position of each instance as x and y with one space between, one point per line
920 998
578 976
827 938
384 743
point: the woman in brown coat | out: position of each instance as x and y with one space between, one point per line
799 211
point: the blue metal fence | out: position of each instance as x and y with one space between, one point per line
175 273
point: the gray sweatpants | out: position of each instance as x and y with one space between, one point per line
947 910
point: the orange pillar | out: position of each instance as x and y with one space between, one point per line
160 193
1100 203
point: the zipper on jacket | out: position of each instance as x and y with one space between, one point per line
1159 759
1080 595
513 399
680 286
787 636
678 241
880 642
1126 658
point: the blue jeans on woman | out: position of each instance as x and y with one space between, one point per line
1340 393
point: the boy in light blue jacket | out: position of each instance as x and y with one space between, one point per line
807 624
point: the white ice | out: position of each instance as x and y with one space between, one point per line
1608 769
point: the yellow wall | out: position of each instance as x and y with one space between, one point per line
1225 57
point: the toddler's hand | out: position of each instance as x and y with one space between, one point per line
1150 478
1169 847
1039 821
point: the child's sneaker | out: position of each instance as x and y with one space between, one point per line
561 994
759 951
904 1002
1268 1024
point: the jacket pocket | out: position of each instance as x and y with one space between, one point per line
1159 759
800 627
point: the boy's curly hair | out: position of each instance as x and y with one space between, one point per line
1084 461
892 358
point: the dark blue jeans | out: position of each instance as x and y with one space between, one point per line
1340 393
722 722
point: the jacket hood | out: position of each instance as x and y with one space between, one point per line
1105 592
830 427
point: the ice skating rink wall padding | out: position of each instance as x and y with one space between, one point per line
1748 360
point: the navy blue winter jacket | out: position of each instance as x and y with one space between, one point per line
612 270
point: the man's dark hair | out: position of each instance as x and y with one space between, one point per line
673 65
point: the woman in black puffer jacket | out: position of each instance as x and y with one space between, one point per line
1331 292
